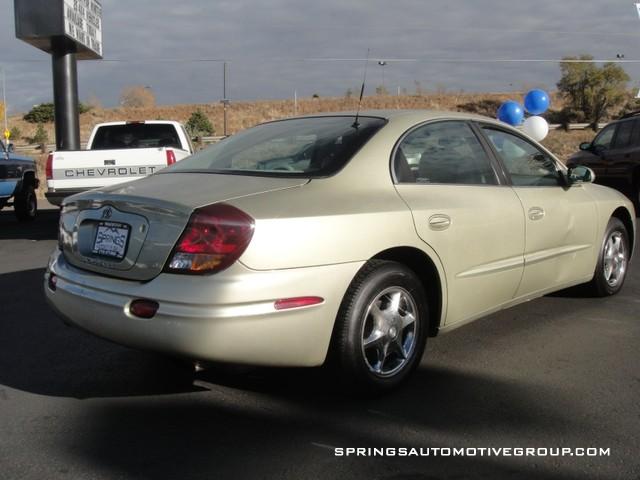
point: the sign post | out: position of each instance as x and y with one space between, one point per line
69 30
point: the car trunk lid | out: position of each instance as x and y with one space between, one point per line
128 231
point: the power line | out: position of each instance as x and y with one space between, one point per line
349 59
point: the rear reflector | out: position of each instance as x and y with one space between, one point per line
49 167
297 302
53 282
143 308
171 157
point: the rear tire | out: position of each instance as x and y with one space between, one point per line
26 204
613 260
381 328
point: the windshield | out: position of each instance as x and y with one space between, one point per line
304 147
136 135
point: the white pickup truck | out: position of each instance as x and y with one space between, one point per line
117 152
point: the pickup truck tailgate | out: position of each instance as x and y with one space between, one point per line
89 169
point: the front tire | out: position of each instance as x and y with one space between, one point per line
26 204
613 260
381 328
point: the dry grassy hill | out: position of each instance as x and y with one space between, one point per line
242 115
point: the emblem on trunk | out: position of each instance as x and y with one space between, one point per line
107 212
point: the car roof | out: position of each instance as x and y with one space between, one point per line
413 115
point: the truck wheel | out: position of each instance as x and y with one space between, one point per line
26 204
381 328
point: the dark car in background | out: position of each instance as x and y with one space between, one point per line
614 156
18 183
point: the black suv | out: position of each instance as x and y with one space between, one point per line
614 156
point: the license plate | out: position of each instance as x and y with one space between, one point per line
111 240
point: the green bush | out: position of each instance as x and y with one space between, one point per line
43 113
16 134
40 136
199 125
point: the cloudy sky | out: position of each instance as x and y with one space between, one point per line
275 47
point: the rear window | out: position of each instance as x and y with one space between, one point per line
136 135
304 147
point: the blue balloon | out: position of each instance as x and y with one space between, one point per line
511 112
536 102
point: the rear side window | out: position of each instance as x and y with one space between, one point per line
623 135
443 152
136 135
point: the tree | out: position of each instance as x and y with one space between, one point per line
43 113
591 92
137 96
199 125
348 93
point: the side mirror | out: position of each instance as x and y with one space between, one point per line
580 174
11 148
585 146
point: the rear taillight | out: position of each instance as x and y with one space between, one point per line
171 157
49 167
215 238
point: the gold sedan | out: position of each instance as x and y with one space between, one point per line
342 239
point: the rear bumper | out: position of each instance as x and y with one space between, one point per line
55 197
227 317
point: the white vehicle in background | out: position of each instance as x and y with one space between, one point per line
117 152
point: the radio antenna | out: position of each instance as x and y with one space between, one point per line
364 80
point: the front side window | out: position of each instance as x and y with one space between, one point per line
443 152
526 164
603 139
623 136
304 147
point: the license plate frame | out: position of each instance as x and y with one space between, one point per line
111 240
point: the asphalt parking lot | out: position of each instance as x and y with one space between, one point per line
561 371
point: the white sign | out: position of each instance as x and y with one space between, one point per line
638 7
83 23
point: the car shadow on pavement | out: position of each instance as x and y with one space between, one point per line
229 433
44 227
263 423
40 354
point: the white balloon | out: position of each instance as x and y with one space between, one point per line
536 127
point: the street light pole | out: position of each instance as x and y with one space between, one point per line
225 101
383 64
4 99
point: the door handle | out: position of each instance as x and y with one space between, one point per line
536 213
439 222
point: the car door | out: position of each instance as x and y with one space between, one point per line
460 208
624 152
596 157
560 221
